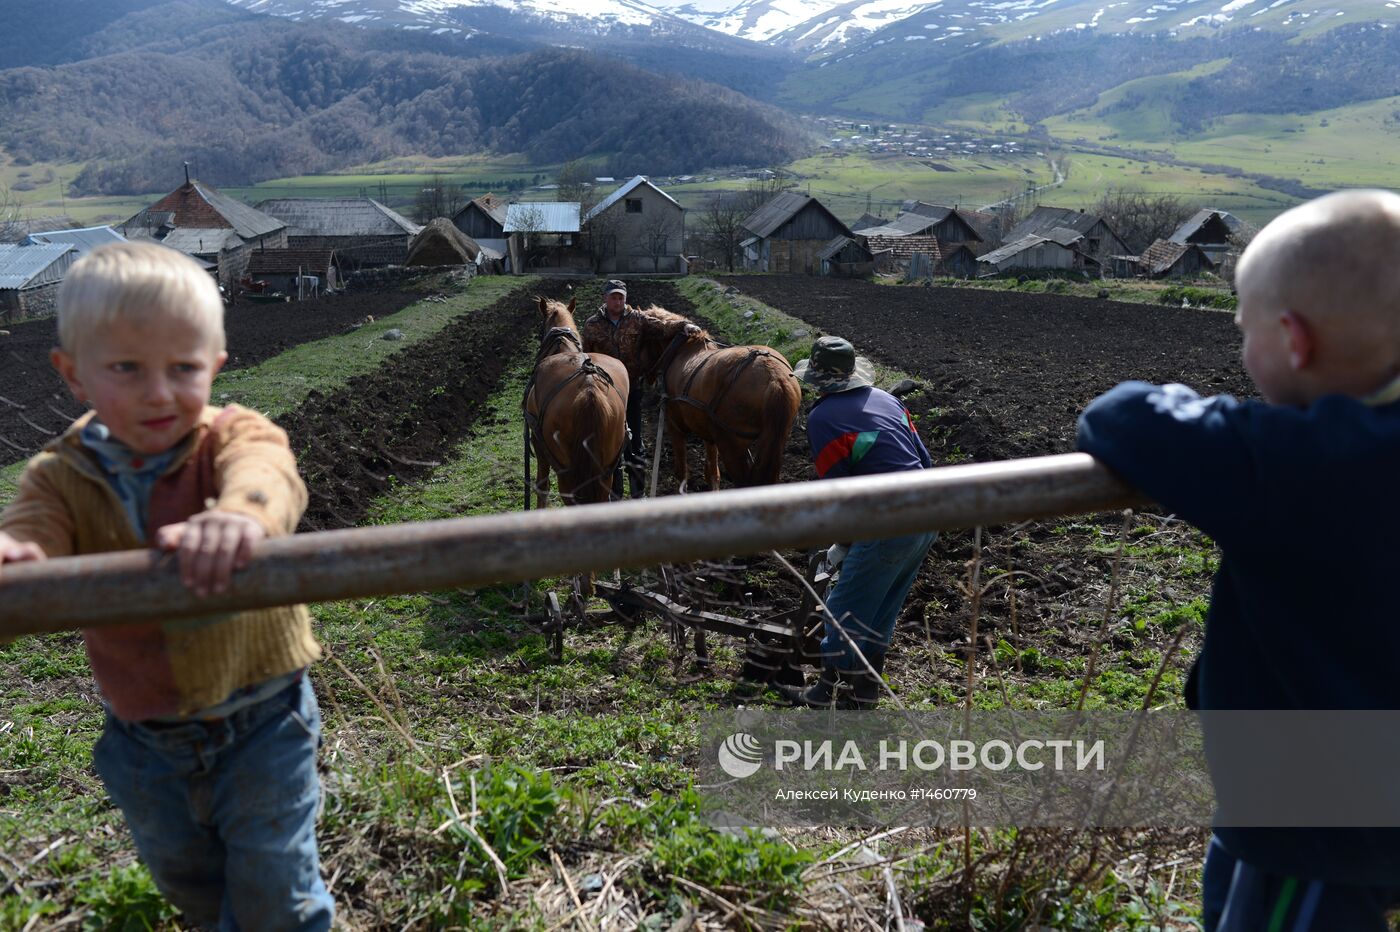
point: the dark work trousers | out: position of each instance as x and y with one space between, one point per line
634 454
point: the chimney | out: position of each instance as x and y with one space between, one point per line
187 174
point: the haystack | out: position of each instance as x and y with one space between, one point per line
441 243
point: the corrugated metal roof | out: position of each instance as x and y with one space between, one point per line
543 217
1013 248
1063 235
20 265
85 240
779 210
1043 219
906 224
201 242
337 216
494 248
937 211
625 190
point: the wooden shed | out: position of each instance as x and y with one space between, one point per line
29 278
789 233
846 257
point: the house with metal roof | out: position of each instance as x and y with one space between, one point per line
361 231
543 236
788 233
199 220
1100 241
84 239
29 278
15 229
1039 252
637 228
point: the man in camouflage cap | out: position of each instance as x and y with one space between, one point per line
614 331
856 429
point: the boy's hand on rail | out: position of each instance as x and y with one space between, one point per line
16 551
212 544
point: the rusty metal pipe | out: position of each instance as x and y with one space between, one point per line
135 586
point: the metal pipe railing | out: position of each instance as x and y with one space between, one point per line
137 586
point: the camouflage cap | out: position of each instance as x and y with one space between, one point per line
834 367
614 285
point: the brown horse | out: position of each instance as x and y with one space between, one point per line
740 400
575 412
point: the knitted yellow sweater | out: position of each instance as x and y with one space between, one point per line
234 460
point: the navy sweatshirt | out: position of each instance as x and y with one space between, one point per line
1304 615
863 432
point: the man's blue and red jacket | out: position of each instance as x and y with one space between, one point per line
862 432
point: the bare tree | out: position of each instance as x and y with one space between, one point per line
760 191
655 236
12 228
438 198
602 236
574 182
1140 218
722 219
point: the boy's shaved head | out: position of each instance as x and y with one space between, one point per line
1335 260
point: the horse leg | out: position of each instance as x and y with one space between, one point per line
712 465
678 437
541 478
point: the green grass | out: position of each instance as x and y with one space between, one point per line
279 384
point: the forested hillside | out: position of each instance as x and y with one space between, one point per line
248 98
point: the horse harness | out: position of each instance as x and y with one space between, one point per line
549 344
663 364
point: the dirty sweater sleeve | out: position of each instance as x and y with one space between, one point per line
1190 454
38 513
256 472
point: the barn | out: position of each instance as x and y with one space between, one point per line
29 279
198 220
362 232
483 220
301 273
1038 252
846 257
1099 241
788 234
1165 259
543 236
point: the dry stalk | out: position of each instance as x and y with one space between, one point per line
383 710
503 885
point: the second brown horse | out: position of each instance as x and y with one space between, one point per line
575 412
740 400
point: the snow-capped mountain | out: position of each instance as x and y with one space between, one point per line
465 16
804 25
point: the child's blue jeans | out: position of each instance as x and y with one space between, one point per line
875 579
224 813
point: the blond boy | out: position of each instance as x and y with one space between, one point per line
209 747
1299 492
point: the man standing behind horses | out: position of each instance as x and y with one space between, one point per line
614 331
857 429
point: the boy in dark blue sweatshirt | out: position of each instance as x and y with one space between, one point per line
1299 492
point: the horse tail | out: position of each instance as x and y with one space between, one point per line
780 402
590 462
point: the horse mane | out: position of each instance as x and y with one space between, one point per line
669 321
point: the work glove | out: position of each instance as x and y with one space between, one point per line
835 554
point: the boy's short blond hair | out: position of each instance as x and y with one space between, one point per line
136 282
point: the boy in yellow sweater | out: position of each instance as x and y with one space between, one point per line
212 728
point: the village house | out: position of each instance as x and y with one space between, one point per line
543 236
483 220
301 273
846 257
637 228
788 233
29 279
1099 241
362 232
1058 250
1212 230
920 219
1166 259
199 221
